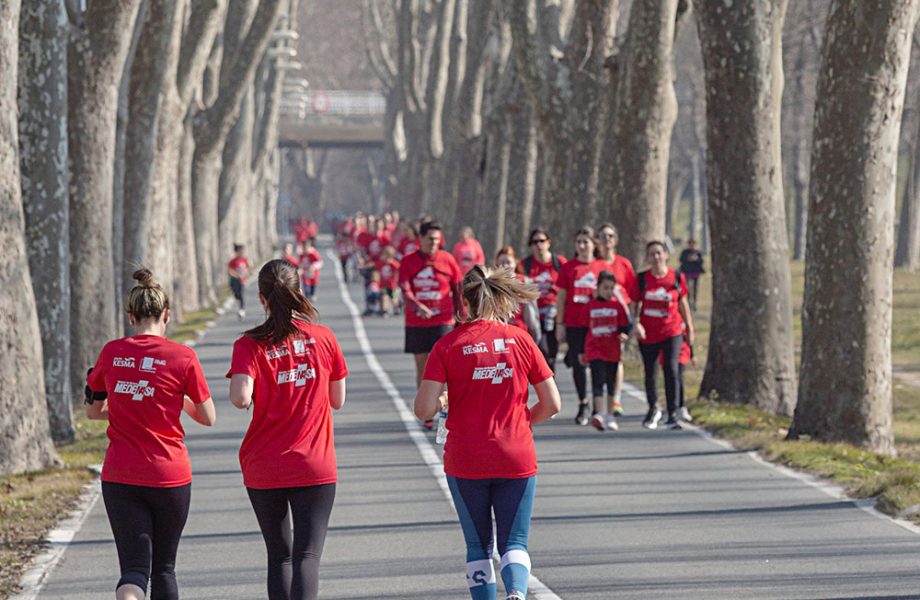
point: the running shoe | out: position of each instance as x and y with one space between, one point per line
599 422
515 596
673 423
651 418
241 314
618 408
685 415
610 422
428 424
582 417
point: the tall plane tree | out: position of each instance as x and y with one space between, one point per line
25 440
750 346
845 392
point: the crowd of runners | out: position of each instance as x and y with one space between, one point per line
483 330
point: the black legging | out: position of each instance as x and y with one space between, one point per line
549 345
236 286
575 338
670 348
147 523
603 373
293 564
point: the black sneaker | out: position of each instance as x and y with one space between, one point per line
651 418
582 417
673 423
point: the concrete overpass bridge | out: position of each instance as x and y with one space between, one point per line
330 119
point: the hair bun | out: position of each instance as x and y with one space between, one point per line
144 278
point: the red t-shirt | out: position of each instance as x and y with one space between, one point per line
311 262
544 276
431 279
606 320
344 248
622 269
407 246
364 240
468 253
487 366
240 264
659 315
146 378
389 273
290 442
579 280
376 244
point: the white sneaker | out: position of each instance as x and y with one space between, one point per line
685 415
651 418
241 313
599 422
611 423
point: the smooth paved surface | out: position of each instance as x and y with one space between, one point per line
632 514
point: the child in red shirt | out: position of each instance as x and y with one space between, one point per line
388 267
292 371
238 271
608 328
310 264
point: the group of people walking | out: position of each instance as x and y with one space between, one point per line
484 333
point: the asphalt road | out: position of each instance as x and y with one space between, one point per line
632 514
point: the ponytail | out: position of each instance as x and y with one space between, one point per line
495 293
147 299
279 285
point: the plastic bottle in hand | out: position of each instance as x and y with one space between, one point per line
442 427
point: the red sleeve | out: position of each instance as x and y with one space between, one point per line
539 370
196 386
435 367
562 259
96 379
633 289
683 285
404 276
631 282
243 361
339 368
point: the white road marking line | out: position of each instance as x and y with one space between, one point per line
537 589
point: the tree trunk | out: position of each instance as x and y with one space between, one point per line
25 438
697 215
800 153
750 346
645 111
908 249
678 181
522 170
43 150
185 257
96 63
845 394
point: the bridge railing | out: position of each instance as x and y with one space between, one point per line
338 103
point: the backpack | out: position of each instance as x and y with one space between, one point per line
642 283
528 263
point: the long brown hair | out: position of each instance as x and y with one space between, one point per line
495 293
279 284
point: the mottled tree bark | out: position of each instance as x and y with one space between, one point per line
184 263
644 116
845 392
25 438
907 252
43 155
96 63
750 346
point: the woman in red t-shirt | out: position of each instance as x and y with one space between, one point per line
660 303
468 251
527 317
141 384
489 458
292 371
577 283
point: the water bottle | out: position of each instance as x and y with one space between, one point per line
442 427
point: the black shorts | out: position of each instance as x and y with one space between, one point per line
420 340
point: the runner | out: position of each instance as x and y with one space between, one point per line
608 328
662 310
468 252
388 267
408 241
577 284
489 458
686 358
691 267
310 263
527 316
292 371
238 269
141 384
429 280
287 253
622 269
543 266
344 246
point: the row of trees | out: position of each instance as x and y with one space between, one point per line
560 112
146 134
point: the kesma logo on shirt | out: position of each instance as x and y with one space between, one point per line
138 390
497 374
298 376
477 348
124 362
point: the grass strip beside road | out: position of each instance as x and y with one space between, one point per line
31 504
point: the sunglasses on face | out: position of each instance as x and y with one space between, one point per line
607 236
539 241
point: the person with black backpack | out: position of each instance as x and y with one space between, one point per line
661 312
542 267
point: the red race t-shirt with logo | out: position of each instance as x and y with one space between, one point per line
431 279
239 264
468 254
376 245
659 314
544 276
311 262
290 442
407 246
389 273
146 378
622 269
606 320
579 280
487 367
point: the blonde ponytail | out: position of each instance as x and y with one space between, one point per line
495 293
